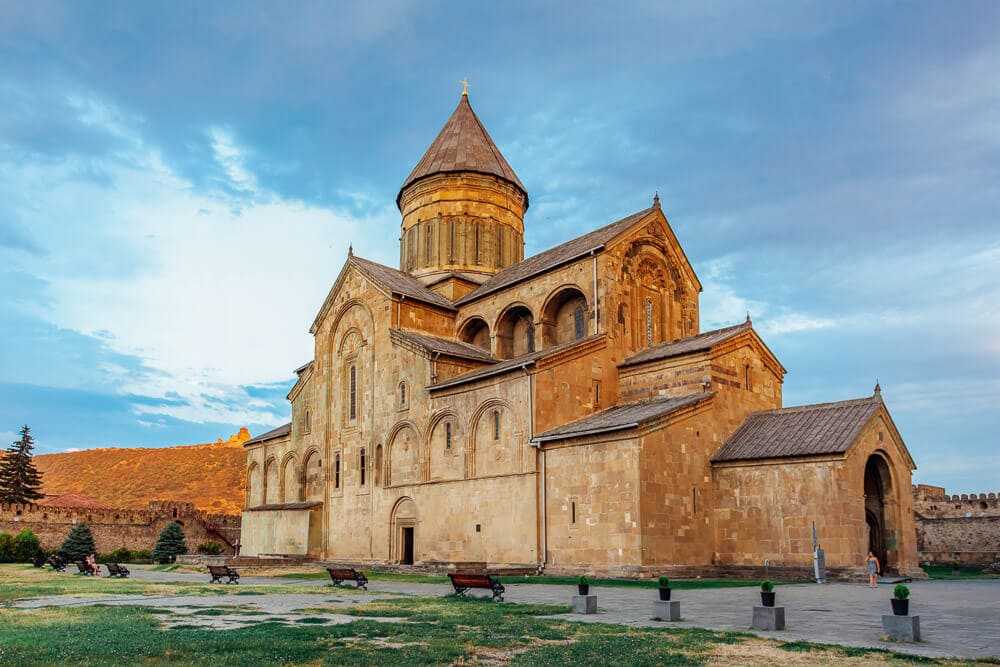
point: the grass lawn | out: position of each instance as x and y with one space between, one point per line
340 629
946 572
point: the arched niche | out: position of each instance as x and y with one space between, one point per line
476 331
515 332
565 317
446 446
494 440
404 455
312 476
255 486
272 482
290 483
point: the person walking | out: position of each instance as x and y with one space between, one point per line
874 569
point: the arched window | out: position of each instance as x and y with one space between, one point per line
447 435
578 323
402 395
336 471
354 393
308 422
496 424
364 463
529 332
746 377
378 465
427 248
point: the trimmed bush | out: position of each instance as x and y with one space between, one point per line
120 555
27 546
6 548
663 582
142 556
901 592
210 548
766 586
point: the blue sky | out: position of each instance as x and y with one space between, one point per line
178 187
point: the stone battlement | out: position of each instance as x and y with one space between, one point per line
956 527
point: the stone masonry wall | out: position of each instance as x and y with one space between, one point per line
116 528
963 528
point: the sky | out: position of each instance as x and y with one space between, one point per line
179 184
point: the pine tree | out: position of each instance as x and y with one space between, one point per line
79 543
171 544
20 481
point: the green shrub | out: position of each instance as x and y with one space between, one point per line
6 548
583 581
210 548
901 592
767 586
119 555
664 582
26 547
142 556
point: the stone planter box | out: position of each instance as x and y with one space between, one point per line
901 628
666 610
768 618
584 604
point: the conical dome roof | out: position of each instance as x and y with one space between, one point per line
463 145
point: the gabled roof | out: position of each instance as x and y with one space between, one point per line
399 282
506 365
699 343
273 434
463 145
73 501
453 348
621 417
553 257
806 430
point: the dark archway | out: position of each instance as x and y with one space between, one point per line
565 317
476 332
878 490
515 333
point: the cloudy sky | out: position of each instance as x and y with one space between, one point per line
179 184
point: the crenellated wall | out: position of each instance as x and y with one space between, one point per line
957 527
116 528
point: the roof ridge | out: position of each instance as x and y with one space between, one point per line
417 289
473 349
818 406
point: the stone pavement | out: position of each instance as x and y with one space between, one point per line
958 618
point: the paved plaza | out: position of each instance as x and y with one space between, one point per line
958 618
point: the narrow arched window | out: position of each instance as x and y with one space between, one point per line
746 377
402 395
578 322
336 471
496 424
427 248
364 463
308 422
354 393
649 321
447 435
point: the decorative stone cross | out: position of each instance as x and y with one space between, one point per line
465 85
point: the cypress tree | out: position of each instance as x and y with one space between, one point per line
20 481
170 545
79 543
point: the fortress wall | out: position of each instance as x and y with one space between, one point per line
957 527
116 528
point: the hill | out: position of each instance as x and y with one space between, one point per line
212 476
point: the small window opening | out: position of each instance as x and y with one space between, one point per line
427 249
649 321
447 435
308 421
597 393
572 512
880 436
578 323
363 465
496 424
402 395
175 514
746 377
336 471
694 499
354 392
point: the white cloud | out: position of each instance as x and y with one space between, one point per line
213 292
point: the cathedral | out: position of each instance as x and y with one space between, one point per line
560 413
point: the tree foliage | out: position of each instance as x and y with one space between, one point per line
20 481
79 543
170 544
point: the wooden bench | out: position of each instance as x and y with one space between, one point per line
57 563
465 581
220 572
339 574
84 568
116 570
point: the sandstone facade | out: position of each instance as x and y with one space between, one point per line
562 412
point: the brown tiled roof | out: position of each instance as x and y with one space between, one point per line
509 364
699 343
400 283
302 505
270 435
806 430
553 257
463 145
444 346
620 417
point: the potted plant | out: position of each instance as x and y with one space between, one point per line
583 585
664 588
900 600
767 593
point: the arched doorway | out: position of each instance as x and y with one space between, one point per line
878 494
403 526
